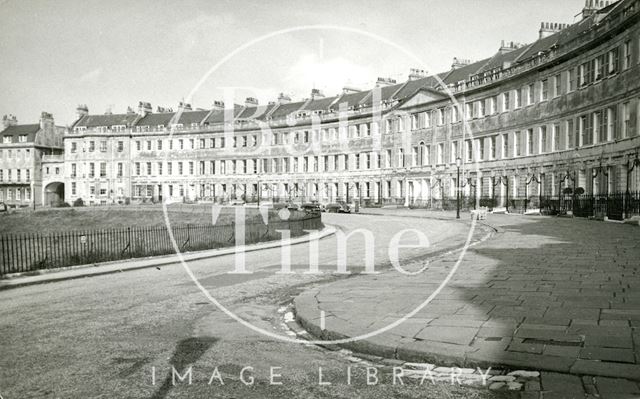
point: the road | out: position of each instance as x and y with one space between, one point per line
108 336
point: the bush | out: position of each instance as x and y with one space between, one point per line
567 191
78 202
579 191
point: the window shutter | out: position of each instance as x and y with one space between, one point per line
510 141
633 118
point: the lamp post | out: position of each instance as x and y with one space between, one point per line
473 187
600 170
526 190
504 180
431 187
566 176
458 164
631 165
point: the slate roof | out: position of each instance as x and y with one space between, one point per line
154 120
90 121
20 130
189 117
319 104
413 86
259 112
217 116
286 109
386 93
351 99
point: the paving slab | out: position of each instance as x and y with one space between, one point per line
542 293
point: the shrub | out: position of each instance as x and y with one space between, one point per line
579 191
78 202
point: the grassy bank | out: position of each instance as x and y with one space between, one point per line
116 217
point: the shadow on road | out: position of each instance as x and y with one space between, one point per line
187 352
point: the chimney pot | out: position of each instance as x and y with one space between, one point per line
283 99
82 110
251 102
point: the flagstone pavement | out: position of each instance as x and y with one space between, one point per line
558 295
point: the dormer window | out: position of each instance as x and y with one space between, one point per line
7 139
22 138
195 125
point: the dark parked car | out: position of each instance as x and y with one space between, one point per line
338 207
3 207
310 208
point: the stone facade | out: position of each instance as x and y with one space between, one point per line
22 148
520 121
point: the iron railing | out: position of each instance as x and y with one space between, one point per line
615 206
35 251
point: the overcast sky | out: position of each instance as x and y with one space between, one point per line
55 55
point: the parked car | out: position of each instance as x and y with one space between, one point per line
338 207
236 202
3 207
293 207
310 207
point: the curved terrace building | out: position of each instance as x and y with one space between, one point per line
526 123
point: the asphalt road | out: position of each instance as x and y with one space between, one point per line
119 335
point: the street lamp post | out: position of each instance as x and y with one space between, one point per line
458 164
631 165
568 175
472 189
600 170
505 181
526 191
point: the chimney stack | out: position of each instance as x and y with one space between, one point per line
10 120
506 46
549 28
350 90
218 105
46 120
144 108
382 82
251 102
592 6
184 106
82 110
283 98
459 63
415 74
316 94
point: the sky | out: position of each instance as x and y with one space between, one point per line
110 55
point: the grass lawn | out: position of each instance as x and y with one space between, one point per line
78 219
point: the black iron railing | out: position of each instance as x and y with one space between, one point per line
616 206
30 252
